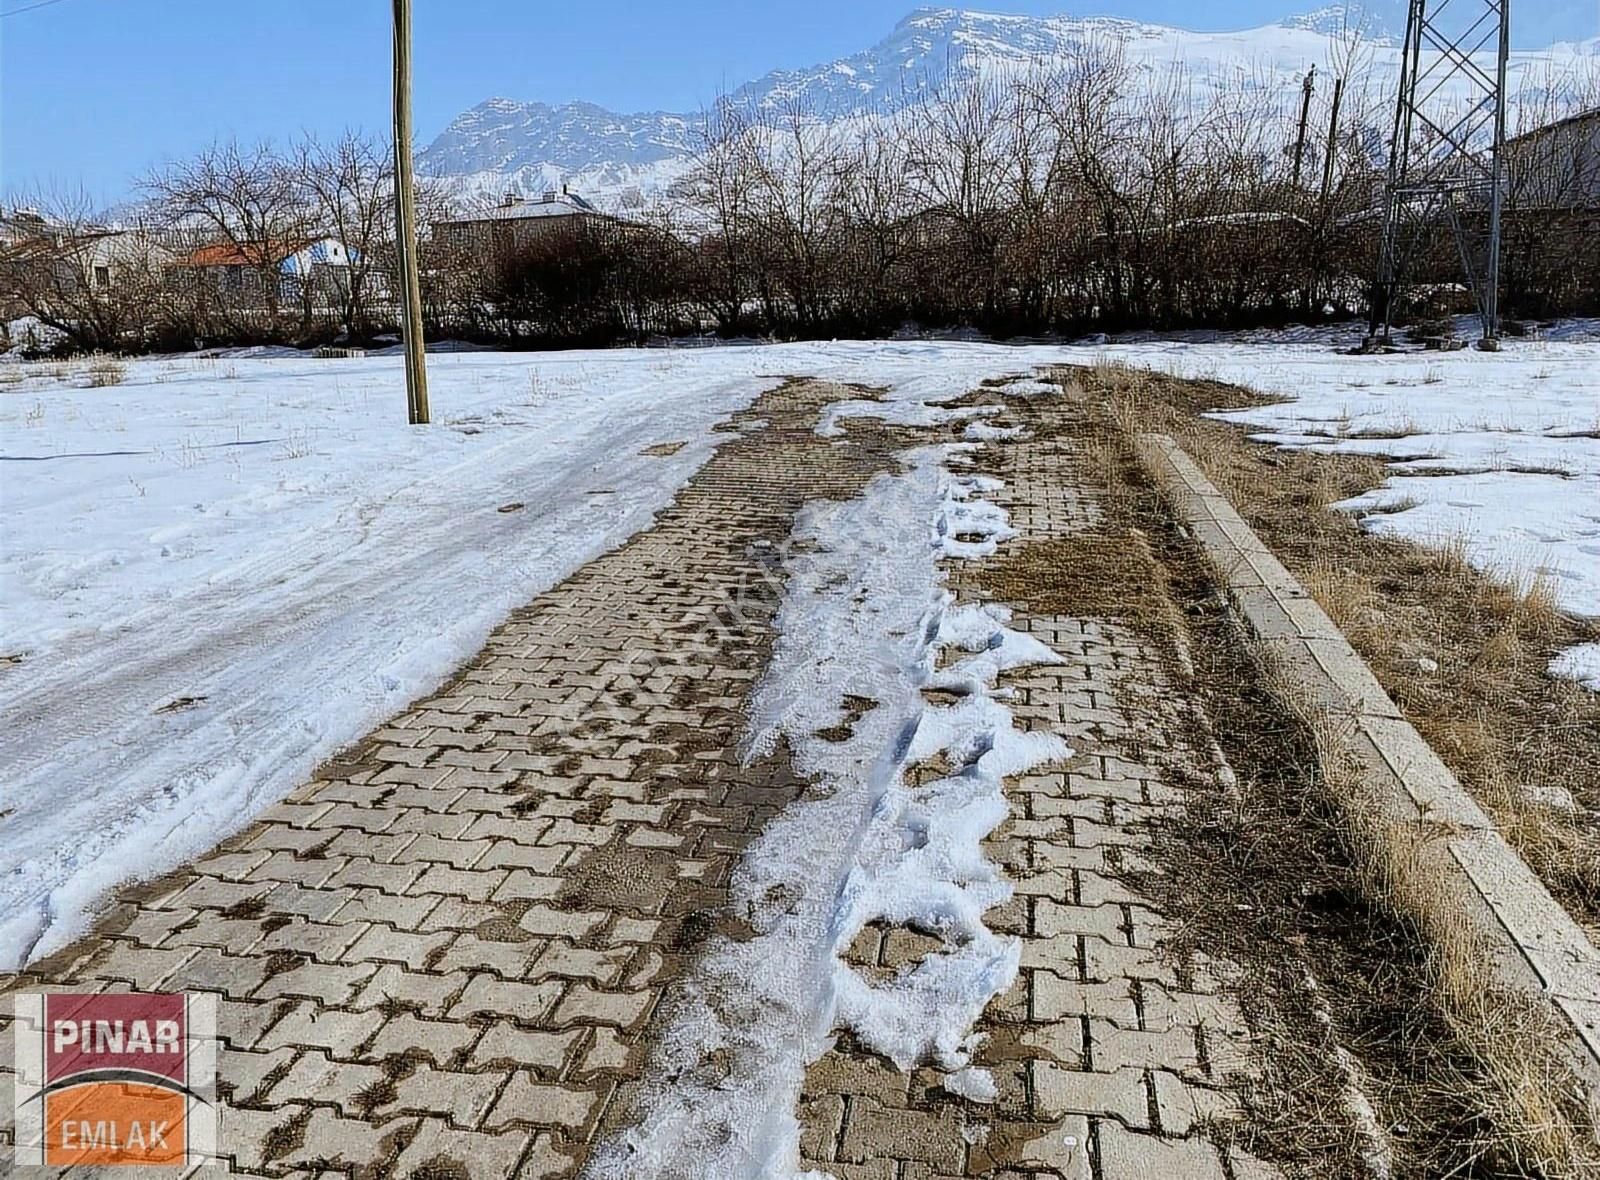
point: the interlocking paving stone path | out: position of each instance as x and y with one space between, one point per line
441 952
1111 1060
441 957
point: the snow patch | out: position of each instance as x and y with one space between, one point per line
986 432
259 531
1581 663
864 616
1498 451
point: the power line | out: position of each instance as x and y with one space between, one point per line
28 8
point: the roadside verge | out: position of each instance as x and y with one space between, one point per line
1515 972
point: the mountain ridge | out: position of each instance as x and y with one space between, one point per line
622 158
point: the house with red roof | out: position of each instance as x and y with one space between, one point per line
317 268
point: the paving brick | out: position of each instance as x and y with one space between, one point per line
476 885
242 1072
213 970
407 1034
1063 1148
879 1132
314 1075
337 1032
1055 998
588 1005
329 1141
505 1044
603 967
553 923
295 900
320 940
143 967
384 944
1127 1155
607 1053
394 987
1183 1105
439 1150
1052 919
465 976
527 1102
461 1098
524 884
520 1001
1120 1094
332 984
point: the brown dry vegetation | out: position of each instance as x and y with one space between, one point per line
105 370
1259 869
1511 734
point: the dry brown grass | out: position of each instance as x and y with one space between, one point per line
1260 871
1086 575
105 370
1525 1071
1462 653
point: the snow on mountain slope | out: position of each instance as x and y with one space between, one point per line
624 158
503 135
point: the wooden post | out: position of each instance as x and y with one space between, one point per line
405 222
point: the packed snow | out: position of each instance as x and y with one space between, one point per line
864 616
1497 452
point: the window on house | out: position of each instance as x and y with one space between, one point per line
102 277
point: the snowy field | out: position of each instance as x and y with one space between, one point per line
220 571
1499 452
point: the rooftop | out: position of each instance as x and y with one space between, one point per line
514 207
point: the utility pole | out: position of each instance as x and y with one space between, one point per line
1305 115
405 221
1491 282
1333 141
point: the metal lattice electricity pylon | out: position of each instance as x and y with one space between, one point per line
1445 159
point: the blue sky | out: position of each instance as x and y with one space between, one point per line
93 92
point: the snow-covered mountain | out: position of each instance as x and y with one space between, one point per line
623 158
532 147
502 135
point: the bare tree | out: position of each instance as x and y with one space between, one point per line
349 184
102 287
249 203
874 197
799 168
958 163
722 190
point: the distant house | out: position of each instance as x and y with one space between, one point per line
515 222
113 259
49 261
25 225
1557 166
315 267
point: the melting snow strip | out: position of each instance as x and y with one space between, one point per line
864 615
